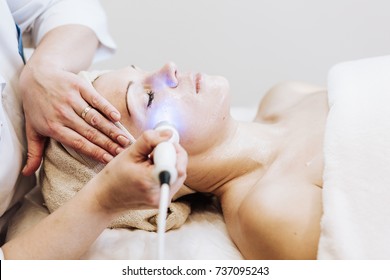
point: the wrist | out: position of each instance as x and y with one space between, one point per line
33 75
97 199
68 47
41 62
48 62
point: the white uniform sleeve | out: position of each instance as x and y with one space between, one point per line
40 16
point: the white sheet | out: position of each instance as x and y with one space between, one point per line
202 237
356 192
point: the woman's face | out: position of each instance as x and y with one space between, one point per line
195 103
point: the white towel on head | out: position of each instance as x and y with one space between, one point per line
62 176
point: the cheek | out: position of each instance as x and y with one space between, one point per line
135 128
204 124
218 101
199 134
165 109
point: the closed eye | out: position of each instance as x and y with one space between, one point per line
150 93
127 91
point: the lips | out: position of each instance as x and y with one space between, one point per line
198 79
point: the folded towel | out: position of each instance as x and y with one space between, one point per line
63 175
356 190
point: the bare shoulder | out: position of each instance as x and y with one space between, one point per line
283 96
278 220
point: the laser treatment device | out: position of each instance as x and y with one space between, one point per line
164 157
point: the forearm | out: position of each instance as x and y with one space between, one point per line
68 47
65 234
127 182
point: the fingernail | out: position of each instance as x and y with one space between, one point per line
107 158
124 141
118 150
115 116
165 133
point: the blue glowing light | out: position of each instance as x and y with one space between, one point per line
166 111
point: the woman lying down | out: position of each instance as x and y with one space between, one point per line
266 174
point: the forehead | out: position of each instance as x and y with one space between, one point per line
125 74
122 75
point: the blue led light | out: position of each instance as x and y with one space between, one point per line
166 111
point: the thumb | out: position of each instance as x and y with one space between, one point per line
148 140
35 146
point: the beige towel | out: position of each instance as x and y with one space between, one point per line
63 175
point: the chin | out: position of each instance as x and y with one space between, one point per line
216 84
222 83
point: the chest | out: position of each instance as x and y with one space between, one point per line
301 149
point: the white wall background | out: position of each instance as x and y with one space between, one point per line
254 43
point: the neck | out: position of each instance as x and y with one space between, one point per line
247 147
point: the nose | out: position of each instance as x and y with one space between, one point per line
167 75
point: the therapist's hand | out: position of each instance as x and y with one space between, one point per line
127 182
53 101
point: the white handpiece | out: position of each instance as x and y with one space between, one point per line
164 157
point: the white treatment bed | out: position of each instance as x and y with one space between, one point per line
202 237
356 190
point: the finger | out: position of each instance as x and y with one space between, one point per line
182 161
35 147
181 167
98 121
81 145
148 140
90 133
97 138
98 102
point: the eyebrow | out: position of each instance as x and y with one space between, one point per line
127 90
